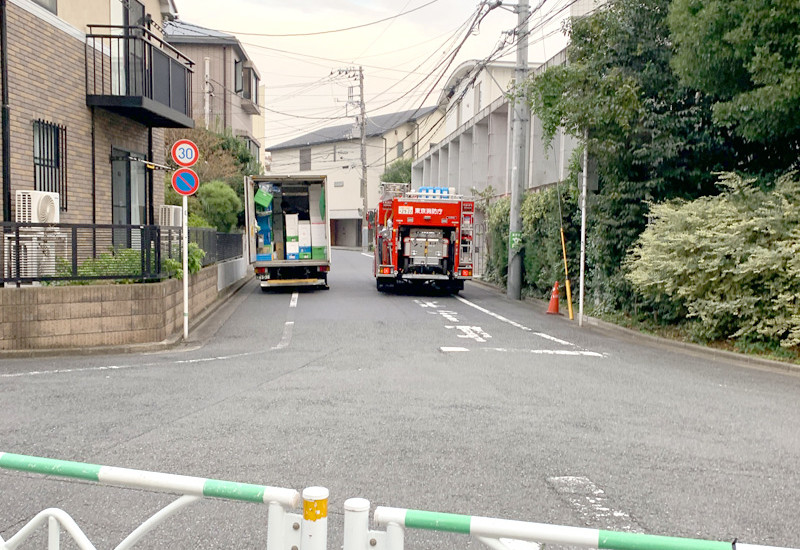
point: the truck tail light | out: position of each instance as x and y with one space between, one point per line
386 270
466 272
324 268
261 270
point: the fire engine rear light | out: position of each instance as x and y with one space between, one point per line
466 272
386 271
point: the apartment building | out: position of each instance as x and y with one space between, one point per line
90 86
226 88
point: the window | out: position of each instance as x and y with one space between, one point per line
305 159
50 159
400 149
250 85
49 5
237 76
478 97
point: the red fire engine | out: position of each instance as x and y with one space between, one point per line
423 237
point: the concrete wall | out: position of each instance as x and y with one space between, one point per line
63 317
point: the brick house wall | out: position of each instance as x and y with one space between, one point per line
47 72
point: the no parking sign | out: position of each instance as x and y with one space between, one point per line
185 181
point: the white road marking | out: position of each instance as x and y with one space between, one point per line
452 349
293 302
592 504
287 336
514 323
573 352
427 303
476 333
123 367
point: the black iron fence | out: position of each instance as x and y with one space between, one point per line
83 252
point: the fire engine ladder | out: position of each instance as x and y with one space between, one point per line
467 231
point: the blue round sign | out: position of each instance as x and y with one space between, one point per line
185 181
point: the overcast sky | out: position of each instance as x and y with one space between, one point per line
398 55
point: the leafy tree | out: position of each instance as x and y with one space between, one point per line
745 54
652 137
220 204
398 172
223 157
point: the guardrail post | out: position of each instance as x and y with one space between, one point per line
315 519
54 534
356 524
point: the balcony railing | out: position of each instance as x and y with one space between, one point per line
132 72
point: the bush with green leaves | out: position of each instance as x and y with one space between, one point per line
733 261
173 267
220 204
543 257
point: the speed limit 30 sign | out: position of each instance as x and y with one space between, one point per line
185 153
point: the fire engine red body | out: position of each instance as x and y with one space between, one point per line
423 237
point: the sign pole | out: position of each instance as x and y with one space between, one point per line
185 182
185 248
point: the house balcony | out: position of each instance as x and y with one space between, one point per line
132 72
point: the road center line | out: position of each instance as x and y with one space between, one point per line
293 302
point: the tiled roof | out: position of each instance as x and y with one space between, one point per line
376 126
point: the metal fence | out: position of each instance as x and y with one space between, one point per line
34 252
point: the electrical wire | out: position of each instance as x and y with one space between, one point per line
334 30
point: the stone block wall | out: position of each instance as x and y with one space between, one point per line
62 317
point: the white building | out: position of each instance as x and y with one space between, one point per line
336 153
476 152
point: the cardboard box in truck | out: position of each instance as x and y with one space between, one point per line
299 230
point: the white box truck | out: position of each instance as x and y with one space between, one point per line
276 208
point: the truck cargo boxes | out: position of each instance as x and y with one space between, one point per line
292 227
288 230
318 241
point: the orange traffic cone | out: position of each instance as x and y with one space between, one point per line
553 308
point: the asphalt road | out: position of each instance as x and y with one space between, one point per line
470 404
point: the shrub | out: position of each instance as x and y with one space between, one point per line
733 261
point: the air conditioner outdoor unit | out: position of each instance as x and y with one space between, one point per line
39 254
171 216
37 207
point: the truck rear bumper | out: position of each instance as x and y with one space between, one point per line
275 283
426 276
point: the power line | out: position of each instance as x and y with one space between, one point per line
334 30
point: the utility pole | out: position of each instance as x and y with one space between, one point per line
519 158
363 122
207 91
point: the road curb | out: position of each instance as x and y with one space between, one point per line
660 340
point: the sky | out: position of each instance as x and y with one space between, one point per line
406 49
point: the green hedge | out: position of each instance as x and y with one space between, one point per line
732 261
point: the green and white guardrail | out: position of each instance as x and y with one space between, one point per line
308 531
493 529
153 481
